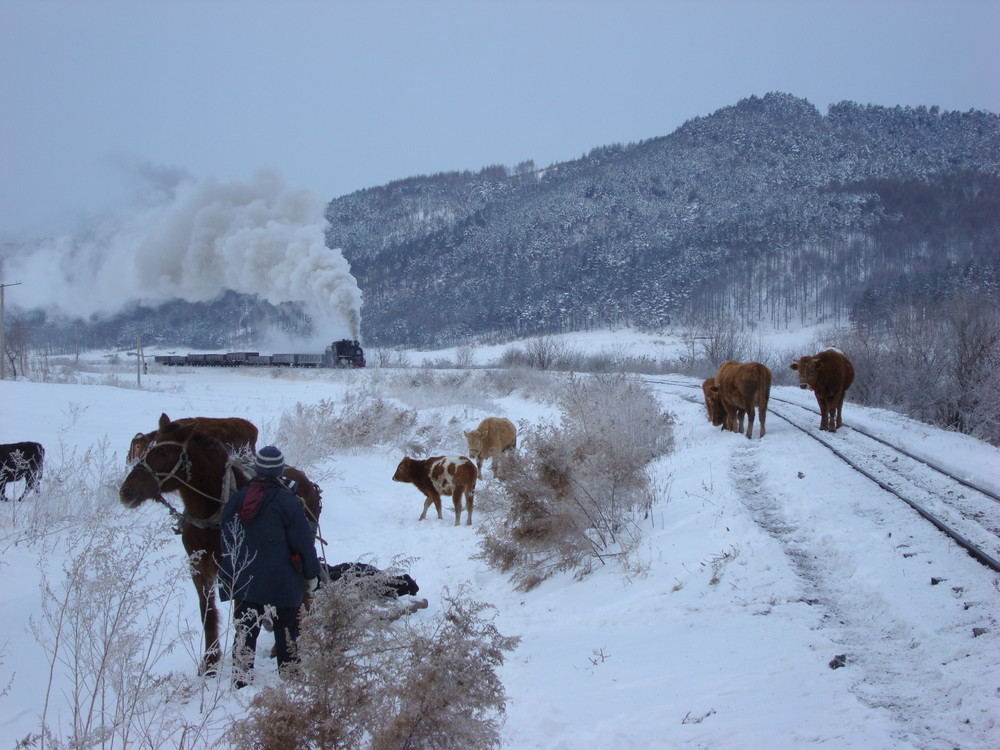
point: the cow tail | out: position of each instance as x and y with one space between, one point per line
750 390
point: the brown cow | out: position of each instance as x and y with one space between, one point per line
828 374
493 436
742 386
713 405
441 475
237 433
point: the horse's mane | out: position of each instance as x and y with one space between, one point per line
211 446
208 442
195 437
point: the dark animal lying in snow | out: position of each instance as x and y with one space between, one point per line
393 586
396 586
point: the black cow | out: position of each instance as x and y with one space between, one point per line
21 461
392 585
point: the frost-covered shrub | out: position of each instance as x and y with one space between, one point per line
503 382
107 623
76 486
361 420
382 357
940 365
576 491
465 356
425 389
369 678
371 415
542 353
710 344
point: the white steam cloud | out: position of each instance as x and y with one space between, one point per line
199 240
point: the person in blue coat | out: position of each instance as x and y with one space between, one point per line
267 553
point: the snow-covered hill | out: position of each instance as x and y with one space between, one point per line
766 561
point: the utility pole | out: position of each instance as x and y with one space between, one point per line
139 359
3 353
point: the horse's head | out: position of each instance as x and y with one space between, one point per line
159 468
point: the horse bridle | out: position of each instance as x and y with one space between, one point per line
184 463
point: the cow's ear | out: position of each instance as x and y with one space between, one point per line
464 432
164 420
794 365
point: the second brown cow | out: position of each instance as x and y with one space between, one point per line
828 375
742 387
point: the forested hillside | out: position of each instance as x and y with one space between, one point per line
766 210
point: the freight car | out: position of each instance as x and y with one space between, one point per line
343 353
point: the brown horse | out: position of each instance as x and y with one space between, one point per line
238 433
201 470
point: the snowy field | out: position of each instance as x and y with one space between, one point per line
765 562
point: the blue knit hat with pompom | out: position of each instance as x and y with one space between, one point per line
270 462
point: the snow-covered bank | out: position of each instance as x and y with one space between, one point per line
767 560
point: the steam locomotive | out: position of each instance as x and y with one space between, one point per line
343 353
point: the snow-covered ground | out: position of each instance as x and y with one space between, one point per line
766 561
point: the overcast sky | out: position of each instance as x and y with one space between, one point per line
102 99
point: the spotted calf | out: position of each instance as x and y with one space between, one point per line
441 475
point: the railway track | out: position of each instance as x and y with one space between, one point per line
965 512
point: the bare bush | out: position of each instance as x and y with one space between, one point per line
723 340
975 364
370 415
531 383
425 389
542 353
707 346
77 487
367 678
437 363
465 357
575 492
361 420
387 358
106 624
938 365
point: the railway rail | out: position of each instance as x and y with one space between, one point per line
919 488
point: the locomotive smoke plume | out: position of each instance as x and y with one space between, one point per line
197 241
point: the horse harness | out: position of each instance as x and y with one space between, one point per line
228 488
184 464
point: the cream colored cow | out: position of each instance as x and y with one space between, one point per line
493 436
